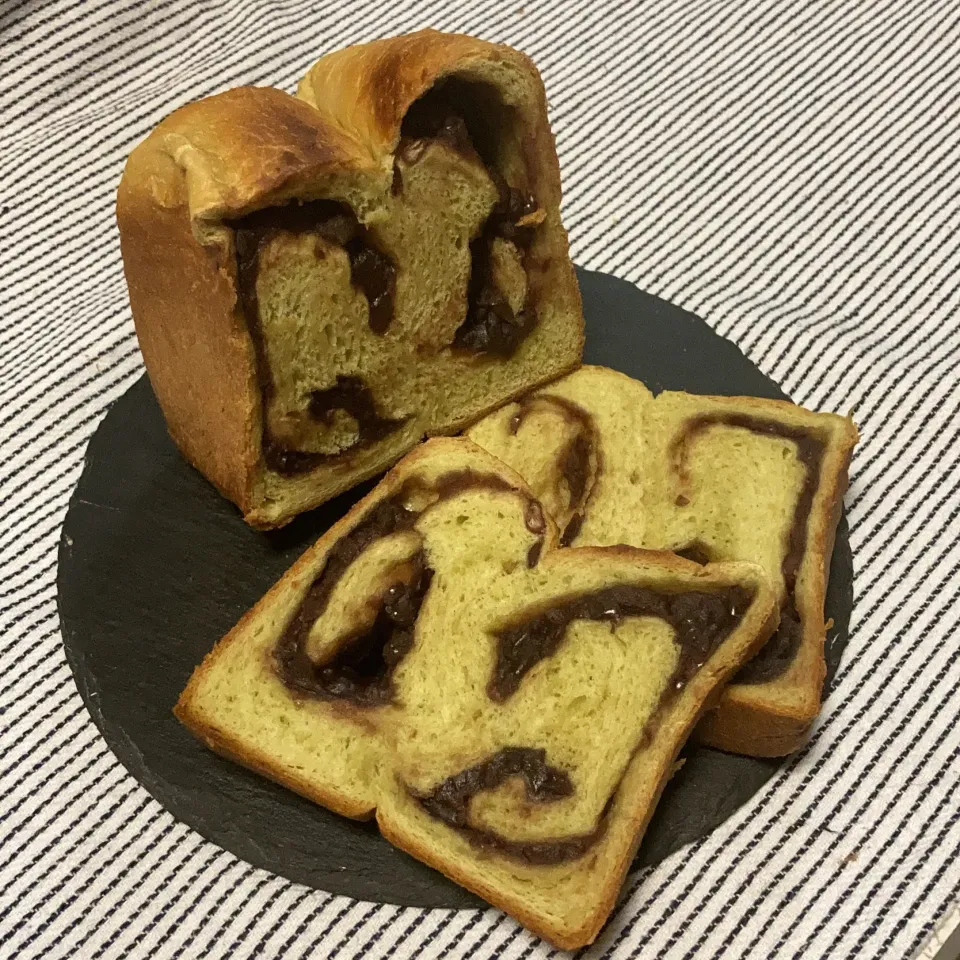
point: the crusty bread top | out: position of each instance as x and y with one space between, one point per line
367 90
252 147
191 191
241 150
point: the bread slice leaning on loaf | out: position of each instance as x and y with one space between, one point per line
508 710
319 281
711 478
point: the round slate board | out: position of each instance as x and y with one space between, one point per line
155 567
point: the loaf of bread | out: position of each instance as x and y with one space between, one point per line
318 282
508 710
709 478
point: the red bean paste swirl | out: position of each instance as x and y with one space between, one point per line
449 802
361 670
574 459
371 271
490 326
701 621
779 652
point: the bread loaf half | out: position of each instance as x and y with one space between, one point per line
709 478
318 282
508 710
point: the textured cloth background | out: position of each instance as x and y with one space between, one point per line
786 170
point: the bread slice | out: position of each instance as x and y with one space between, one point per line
318 282
508 710
711 478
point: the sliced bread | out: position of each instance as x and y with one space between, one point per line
508 710
709 478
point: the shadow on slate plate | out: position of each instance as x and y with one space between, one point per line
155 567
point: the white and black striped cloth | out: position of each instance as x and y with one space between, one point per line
787 170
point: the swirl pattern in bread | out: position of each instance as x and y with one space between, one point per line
509 714
709 478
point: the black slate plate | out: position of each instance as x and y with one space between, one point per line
155 567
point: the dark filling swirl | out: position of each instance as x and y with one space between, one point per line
491 326
779 652
361 670
449 802
371 271
701 622
575 457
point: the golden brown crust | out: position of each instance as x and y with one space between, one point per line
244 149
200 369
367 89
749 728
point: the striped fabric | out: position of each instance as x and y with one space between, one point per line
788 170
